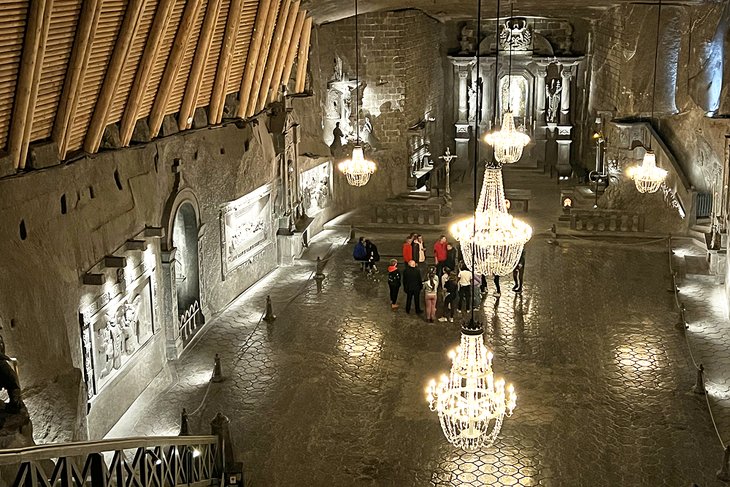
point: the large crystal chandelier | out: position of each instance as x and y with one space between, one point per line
508 142
357 169
648 178
470 402
492 240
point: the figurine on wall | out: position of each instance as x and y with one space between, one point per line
336 145
553 92
367 135
105 348
467 40
472 102
9 381
516 35
130 325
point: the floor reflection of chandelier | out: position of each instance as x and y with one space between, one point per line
508 142
470 403
357 169
648 178
493 237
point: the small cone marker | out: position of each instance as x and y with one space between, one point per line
217 371
269 316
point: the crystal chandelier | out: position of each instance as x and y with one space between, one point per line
508 142
357 169
492 240
470 403
648 178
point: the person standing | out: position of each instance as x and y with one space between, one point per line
465 278
519 273
430 287
394 282
451 255
420 255
408 249
495 278
452 294
371 251
440 255
412 285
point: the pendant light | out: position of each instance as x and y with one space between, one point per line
648 177
470 402
508 142
357 169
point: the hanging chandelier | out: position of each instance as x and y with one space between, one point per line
470 402
508 141
357 169
492 240
648 178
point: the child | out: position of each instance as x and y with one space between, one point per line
394 282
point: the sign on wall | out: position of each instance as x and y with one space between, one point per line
316 188
246 228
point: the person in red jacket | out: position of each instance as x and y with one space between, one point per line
440 254
408 249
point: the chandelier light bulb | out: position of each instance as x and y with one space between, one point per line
492 236
508 142
470 403
647 177
357 169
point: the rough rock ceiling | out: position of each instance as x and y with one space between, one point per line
330 10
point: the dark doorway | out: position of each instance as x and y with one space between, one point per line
187 276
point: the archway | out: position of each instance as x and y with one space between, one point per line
187 273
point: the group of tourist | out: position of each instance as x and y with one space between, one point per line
449 277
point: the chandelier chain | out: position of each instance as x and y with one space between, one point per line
509 72
357 79
496 68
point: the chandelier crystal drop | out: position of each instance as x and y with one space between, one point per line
648 178
508 142
492 236
357 169
470 402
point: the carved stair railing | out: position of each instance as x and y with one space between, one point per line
190 320
127 462
599 220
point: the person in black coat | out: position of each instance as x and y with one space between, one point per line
394 282
412 284
371 250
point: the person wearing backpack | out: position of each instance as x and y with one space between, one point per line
394 282
360 253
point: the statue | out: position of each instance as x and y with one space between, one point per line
472 102
130 325
447 158
553 92
9 381
336 145
366 134
516 35
467 40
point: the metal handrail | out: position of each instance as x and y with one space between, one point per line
55 450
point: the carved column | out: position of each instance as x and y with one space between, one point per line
540 94
564 166
168 305
462 69
567 75
488 93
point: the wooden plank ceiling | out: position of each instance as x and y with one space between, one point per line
69 69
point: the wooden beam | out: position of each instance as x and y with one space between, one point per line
144 70
291 21
293 47
252 57
261 60
123 44
281 24
75 73
218 97
182 37
26 88
185 117
303 56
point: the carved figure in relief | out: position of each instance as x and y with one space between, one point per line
516 34
130 325
553 92
472 102
467 40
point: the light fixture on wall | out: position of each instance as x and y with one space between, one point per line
357 169
508 141
648 177
470 402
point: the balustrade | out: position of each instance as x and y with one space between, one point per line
599 220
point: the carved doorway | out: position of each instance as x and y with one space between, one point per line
187 273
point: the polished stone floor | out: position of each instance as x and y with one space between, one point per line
332 393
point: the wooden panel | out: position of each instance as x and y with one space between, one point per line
64 19
112 13
252 57
293 48
223 70
303 56
240 51
206 85
291 21
178 89
258 72
273 56
12 32
153 82
130 68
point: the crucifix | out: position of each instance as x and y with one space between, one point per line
448 157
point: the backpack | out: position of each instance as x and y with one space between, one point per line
394 277
360 253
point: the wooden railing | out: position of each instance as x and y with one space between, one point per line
129 462
599 220
405 213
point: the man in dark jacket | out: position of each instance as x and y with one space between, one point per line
412 285
451 255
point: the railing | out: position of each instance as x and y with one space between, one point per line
403 213
606 220
129 462
189 322
704 205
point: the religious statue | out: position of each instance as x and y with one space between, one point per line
336 145
467 40
553 92
366 134
130 325
516 35
447 158
9 381
472 102
338 69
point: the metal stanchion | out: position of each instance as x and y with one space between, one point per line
269 316
217 371
699 387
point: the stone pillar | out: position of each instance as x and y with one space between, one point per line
564 166
463 94
540 94
462 69
567 75
551 149
487 95
168 306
